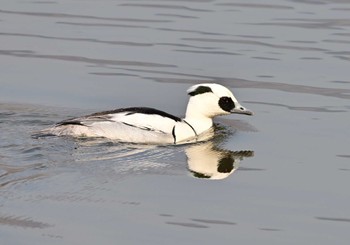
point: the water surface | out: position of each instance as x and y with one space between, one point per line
280 177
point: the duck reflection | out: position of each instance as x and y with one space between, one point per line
207 160
205 157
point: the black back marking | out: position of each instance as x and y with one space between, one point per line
142 110
105 116
200 90
70 122
226 103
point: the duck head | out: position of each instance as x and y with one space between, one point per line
211 99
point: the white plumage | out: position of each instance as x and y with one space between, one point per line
148 125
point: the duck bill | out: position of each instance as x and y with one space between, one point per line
242 110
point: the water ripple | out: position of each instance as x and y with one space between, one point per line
71 58
22 221
255 43
256 5
336 24
89 24
298 108
334 219
91 40
73 16
163 6
243 83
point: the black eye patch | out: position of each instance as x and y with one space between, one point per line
226 103
200 90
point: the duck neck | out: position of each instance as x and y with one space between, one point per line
198 121
199 125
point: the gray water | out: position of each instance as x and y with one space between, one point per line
285 172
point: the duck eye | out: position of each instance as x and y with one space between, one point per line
226 103
241 108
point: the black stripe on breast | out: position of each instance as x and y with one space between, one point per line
195 133
142 110
173 133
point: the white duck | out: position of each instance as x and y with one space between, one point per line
148 125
